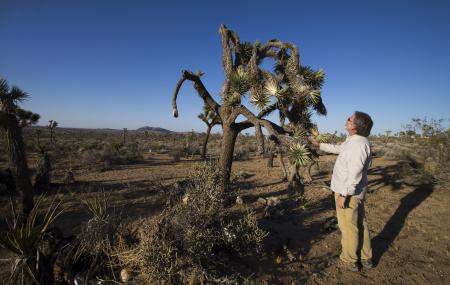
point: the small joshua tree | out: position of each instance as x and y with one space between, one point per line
292 89
211 119
124 134
52 126
12 120
38 137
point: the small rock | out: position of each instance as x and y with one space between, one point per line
185 199
124 275
261 200
273 201
239 200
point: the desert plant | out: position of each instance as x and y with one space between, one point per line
210 118
124 136
187 237
22 240
42 179
51 127
12 120
292 89
98 206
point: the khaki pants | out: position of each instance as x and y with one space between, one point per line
355 234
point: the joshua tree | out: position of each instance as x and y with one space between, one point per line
125 131
259 139
51 126
291 89
38 137
12 120
211 119
42 179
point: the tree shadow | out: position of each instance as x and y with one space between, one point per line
384 239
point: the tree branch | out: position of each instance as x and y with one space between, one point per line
201 90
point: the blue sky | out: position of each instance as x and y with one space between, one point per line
114 64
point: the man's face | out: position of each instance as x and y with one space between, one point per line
349 125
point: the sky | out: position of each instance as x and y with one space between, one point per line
115 64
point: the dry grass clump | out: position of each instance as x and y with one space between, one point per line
22 238
190 238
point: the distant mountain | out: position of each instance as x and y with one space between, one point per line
153 129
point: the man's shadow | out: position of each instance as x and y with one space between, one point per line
384 239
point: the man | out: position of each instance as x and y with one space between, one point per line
349 184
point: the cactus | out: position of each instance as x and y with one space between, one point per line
12 120
292 89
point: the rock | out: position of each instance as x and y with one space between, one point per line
261 201
273 201
185 199
124 275
278 259
289 254
239 200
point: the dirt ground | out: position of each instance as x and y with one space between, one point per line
408 220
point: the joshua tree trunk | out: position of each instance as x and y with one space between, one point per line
295 183
205 142
270 159
124 136
259 139
18 161
227 151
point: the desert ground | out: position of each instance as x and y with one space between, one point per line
407 213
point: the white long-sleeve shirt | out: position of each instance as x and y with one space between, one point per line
350 170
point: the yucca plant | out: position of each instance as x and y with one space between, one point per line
299 154
12 120
98 206
22 240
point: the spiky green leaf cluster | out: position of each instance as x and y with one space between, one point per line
298 154
260 99
239 81
299 133
98 206
22 240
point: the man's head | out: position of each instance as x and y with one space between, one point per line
359 123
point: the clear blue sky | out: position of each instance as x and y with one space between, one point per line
115 64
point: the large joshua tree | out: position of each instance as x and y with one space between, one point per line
12 120
290 88
210 118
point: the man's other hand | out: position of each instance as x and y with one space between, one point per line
340 202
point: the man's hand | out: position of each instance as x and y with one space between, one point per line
340 202
313 141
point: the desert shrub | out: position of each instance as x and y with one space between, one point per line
176 155
188 237
22 238
241 153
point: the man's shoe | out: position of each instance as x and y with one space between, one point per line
367 263
355 267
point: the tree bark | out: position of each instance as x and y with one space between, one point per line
259 139
227 151
18 163
270 159
295 184
205 142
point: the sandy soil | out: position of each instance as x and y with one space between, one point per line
408 221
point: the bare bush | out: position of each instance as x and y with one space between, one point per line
186 239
